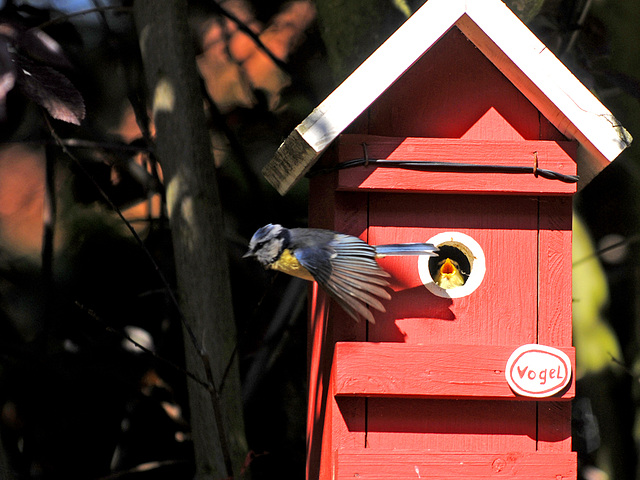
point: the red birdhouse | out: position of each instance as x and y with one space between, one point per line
462 130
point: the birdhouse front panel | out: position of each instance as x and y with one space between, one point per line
425 386
428 378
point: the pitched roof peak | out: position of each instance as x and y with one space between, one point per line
504 40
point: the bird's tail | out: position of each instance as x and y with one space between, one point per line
406 249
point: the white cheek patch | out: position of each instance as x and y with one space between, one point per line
276 247
269 253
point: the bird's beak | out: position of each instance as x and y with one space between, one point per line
248 254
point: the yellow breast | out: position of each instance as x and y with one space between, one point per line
290 265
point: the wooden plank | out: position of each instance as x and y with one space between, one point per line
318 385
555 271
290 162
554 427
500 312
318 130
451 425
321 213
329 423
554 311
372 464
427 371
554 156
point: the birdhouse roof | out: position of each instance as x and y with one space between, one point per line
505 41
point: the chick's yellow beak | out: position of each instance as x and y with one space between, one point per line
449 274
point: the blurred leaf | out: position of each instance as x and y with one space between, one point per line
235 68
403 6
50 89
42 48
28 58
595 341
7 76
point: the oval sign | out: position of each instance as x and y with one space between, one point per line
538 371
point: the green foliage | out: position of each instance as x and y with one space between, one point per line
403 7
596 343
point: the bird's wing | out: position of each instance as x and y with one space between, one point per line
347 270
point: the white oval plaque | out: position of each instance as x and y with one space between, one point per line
538 371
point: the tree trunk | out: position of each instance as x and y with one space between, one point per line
183 149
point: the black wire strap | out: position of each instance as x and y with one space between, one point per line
428 166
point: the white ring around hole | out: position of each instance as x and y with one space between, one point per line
473 252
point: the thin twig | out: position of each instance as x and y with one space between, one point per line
623 365
218 120
79 13
251 34
624 242
226 13
204 358
217 413
87 144
135 235
102 14
91 313
144 469
245 329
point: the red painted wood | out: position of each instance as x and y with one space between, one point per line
448 93
555 156
331 424
554 427
554 322
433 371
554 316
318 415
370 464
451 425
316 409
502 311
470 113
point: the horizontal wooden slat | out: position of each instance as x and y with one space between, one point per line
555 156
428 371
372 464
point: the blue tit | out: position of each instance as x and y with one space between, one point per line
449 274
343 265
